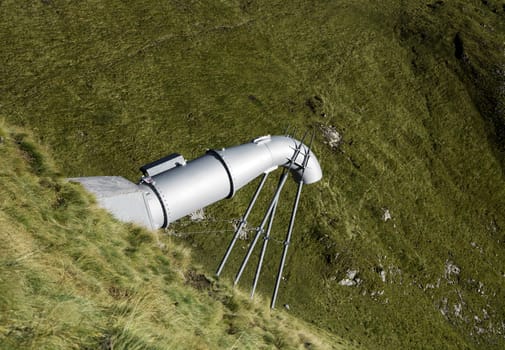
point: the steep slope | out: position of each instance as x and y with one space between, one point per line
72 278
416 89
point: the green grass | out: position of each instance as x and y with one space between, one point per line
415 87
72 278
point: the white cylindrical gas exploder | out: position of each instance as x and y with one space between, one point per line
172 188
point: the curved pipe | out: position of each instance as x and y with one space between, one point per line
264 154
181 188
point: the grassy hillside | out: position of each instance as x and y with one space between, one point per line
72 278
416 89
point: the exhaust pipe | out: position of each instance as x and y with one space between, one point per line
171 188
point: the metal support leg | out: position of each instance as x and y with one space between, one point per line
243 221
286 244
263 250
